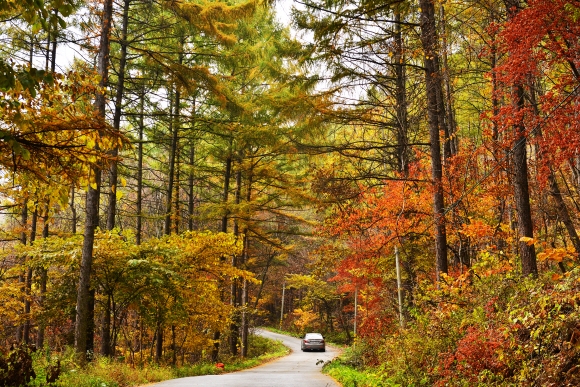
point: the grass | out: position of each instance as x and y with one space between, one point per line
349 376
347 369
106 372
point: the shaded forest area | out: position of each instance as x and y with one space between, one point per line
200 169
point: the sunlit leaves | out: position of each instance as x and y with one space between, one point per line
55 132
172 279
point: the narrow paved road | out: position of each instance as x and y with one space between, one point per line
299 369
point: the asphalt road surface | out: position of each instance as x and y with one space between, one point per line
299 369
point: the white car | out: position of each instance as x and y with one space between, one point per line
313 341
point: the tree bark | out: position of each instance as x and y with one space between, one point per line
113 171
28 282
159 344
436 124
92 201
73 211
173 347
522 193
172 157
224 228
139 231
106 329
520 172
191 177
176 202
234 299
43 282
451 143
91 325
245 256
21 277
190 189
401 97
225 195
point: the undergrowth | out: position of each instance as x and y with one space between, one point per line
485 327
107 372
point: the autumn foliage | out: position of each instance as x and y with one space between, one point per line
481 323
446 131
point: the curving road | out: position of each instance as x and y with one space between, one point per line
299 369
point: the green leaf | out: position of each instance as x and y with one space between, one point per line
25 153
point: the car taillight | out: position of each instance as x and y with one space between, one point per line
321 341
306 341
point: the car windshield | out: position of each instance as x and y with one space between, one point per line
313 336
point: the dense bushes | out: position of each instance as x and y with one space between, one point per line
487 327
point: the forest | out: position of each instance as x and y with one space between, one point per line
402 176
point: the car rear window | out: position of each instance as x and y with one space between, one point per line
313 336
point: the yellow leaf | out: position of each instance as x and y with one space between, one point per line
93 185
528 241
123 182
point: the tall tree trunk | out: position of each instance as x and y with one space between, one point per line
91 325
43 281
520 171
176 202
92 201
172 158
190 188
521 191
54 45
159 343
234 326
21 277
245 255
226 191
224 228
42 271
191 175
451 142
73 211
28 281
106 328
173 347
139 232
401 97
436 124
113 171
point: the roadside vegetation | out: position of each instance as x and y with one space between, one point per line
116 372
485 327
